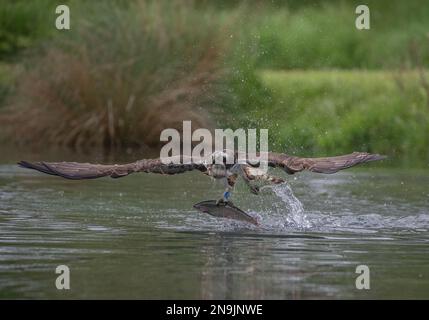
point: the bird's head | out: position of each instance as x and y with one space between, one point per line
217 163
222 157
217 171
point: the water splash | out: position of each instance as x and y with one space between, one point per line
295 216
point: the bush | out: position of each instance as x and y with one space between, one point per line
317 113
23 23
323 35
124 73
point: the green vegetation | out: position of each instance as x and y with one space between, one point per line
323 35
7 74
334 112
128 69
23 24
120 76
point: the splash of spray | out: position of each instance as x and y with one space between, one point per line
296 216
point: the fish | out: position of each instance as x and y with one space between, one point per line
224 210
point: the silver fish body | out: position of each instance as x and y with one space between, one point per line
224 210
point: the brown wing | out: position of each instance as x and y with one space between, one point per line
77 171
322 165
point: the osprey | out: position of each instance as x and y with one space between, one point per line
228 171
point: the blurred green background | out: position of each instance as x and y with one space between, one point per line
128 69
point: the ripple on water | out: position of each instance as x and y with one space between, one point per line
287 214
143 233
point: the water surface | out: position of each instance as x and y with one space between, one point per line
139 237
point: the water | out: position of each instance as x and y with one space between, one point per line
139 237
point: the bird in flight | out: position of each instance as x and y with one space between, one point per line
227 171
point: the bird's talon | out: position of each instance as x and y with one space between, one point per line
220 202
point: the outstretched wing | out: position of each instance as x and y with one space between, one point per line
77 170
292 164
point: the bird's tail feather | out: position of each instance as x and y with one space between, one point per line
76 170
39 166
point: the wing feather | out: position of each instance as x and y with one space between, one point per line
77 170
290 164
328 165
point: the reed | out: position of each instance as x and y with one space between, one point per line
120 76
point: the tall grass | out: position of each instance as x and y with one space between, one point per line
288 34
334 112
323 34
24 23
121 75
129 69
7 75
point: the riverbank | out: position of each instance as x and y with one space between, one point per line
331 88
339 111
